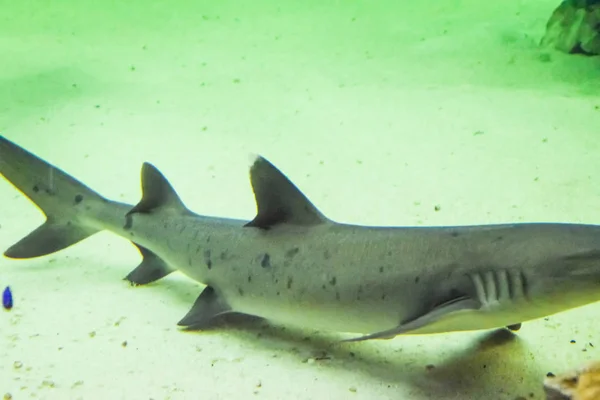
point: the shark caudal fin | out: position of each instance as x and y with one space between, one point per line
62 199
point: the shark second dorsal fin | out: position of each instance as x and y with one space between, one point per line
157 193
278 200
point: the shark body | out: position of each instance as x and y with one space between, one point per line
293 265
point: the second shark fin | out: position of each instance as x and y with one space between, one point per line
208 306
442 312
157 193
278 200
152 268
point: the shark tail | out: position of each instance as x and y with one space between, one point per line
64 201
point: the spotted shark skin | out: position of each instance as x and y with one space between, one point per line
293 265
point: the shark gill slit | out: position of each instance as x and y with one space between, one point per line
500 286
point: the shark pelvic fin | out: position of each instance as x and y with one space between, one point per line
444 311
514 327
208 306
152 268
157 193
278 200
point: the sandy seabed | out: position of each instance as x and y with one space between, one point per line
382 113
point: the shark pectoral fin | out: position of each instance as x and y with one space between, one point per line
206 308
443 311
278 200
157 193
152 268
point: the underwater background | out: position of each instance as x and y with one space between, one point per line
382 112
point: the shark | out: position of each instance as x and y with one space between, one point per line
294 266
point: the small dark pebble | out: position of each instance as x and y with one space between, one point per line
7 299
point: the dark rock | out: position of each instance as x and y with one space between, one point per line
574 28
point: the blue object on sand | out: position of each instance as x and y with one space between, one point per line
7 299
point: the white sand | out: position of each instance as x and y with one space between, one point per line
377 112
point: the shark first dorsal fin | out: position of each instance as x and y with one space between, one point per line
157 193
278 200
